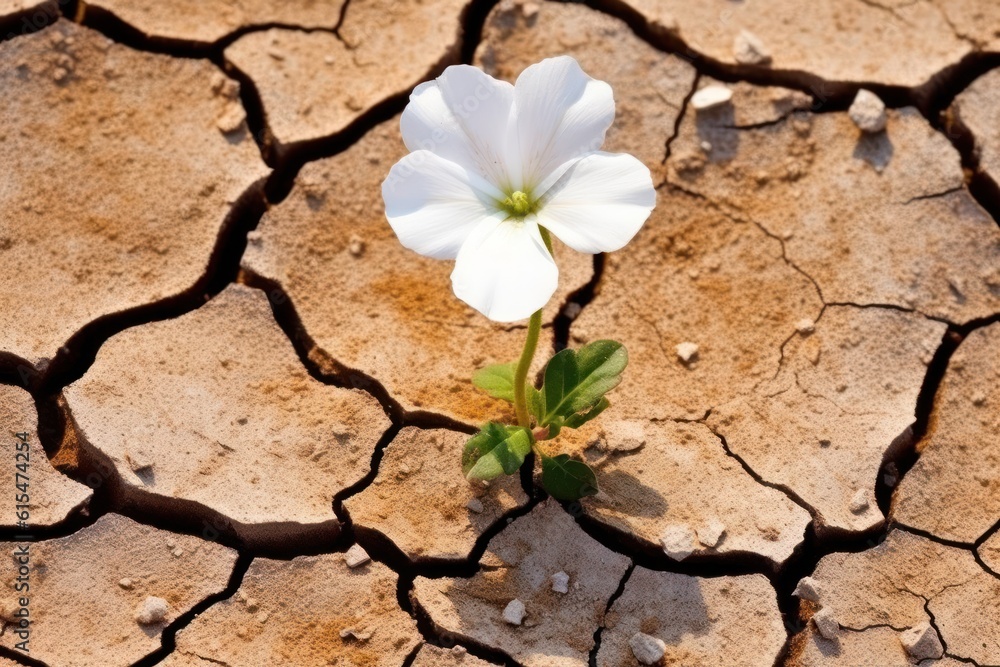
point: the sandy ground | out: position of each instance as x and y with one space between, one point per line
243 401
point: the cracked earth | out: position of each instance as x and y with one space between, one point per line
211 336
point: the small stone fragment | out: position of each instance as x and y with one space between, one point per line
353 633
807 589
710 97
749 50
922 642
623 435
356 556
475 505
868 112
826 624
514 612
647 649
356 245
805 326
710 534
859 503
560 582
678 542
126 584
687 352
153 610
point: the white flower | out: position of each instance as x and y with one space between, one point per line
490 162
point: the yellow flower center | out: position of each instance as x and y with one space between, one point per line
518 204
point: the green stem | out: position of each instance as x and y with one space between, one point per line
523 365
528 354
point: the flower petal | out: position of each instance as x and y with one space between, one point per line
599 203
433 204
561 113
462 116
504 270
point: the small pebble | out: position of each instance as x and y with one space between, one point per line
807 589
138 461
710 534
646 649
678 542
922 642
351 633
826 624
178 552
711 96
623 435
475 505
529 10
514 612
126 584
859 503
560 582
152 611
356 556
749 50
356 246
868 112
805 326
687 352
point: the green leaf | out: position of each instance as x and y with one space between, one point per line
577 380
581 418
496 450
496 380
567 479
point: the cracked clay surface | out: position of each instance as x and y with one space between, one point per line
244 402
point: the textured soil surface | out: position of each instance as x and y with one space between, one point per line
241 402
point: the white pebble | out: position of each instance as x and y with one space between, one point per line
710 534
807 589
560 582
126 584
859 503
711 96
826 624
805 326
514 612
678 541
749 50
623 435
356 245
646 649
687 351
152 611
475 505
868 112
356 556
922 642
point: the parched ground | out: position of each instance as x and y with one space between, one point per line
243 400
